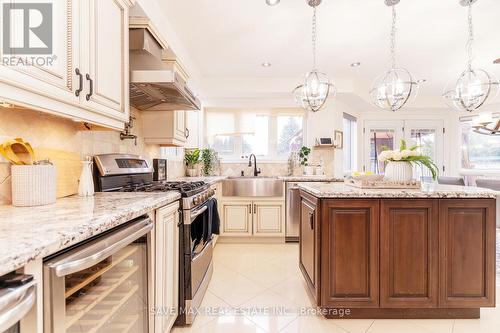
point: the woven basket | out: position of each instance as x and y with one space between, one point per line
33 185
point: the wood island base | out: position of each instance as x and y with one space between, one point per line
397 258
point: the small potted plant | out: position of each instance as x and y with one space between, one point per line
304 160
399 163
208 158
192 158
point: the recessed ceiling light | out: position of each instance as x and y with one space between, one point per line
272 2
355 64
266 64
421 81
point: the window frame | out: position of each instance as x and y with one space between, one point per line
350 143
273 156
466 122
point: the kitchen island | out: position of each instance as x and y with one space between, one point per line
427 253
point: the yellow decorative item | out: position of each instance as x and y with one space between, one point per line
17 152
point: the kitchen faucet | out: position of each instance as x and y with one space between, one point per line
255 170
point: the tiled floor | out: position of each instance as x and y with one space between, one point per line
252 279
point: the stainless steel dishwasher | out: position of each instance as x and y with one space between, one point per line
292 226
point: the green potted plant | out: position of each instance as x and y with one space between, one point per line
208 161
399 163
192 158
304 160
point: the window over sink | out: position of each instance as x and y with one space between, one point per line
269 134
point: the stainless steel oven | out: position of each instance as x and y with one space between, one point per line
17 298
198 252
101 285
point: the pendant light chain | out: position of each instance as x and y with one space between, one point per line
470 41
314 36
394 30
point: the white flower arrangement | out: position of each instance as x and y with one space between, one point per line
410 155
396 155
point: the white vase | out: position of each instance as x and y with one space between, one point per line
191 172
308 170
86 185
400 172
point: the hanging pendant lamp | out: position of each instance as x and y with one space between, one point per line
393 89
313 94
474 86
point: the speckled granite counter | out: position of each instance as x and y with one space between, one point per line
36 232
209 180
340 190
310 179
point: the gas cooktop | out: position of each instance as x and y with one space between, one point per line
187 189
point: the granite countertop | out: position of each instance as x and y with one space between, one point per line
209 179
29 233
341 190
304 178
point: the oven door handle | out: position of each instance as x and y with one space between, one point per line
198 212
16 304
90 254
202 251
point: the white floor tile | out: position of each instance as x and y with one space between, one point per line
248 277
312 325
224 324
271 311
235 291
354 325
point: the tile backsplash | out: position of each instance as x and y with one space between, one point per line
44 130
322 156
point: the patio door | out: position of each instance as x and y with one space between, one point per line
428 135
379 136
382 135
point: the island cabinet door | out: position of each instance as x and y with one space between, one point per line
350 253
467 253
409 253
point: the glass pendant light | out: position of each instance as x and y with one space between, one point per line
474 86
313 94
393 89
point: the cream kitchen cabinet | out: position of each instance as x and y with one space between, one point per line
262 218
51 75
164 127
86 75
166 267
268 218
193 129
106 47
237 218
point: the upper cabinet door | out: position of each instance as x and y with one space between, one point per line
49 74
107 47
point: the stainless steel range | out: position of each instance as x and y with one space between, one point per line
126 173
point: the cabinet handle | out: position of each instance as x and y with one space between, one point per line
187 132
91 82
311 220
249 208
80 80
254 208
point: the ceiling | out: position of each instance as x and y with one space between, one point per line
229 40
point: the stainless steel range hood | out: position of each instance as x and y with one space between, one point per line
156 84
